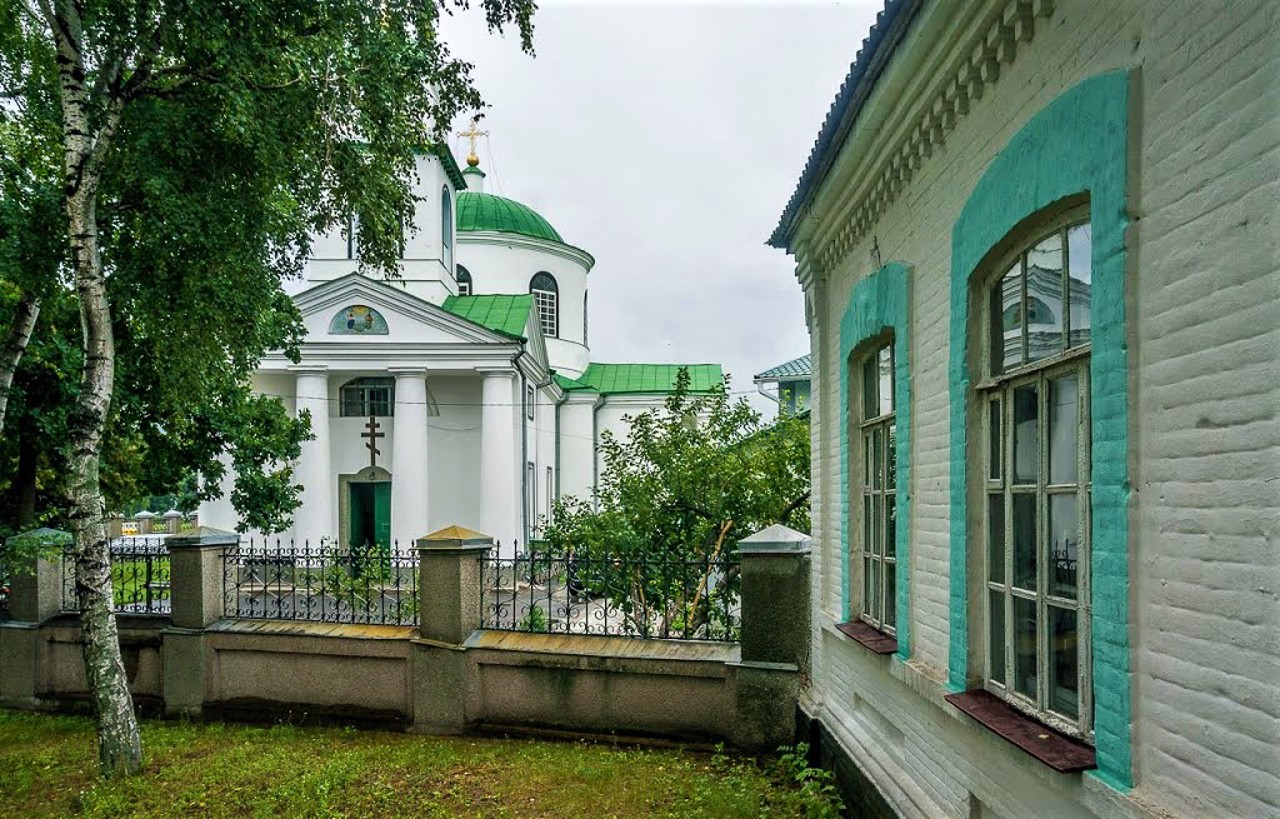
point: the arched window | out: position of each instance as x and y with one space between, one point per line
546 297
464 282
1035 476
877 487
363 397
446 228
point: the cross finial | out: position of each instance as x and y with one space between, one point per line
373 435
471 133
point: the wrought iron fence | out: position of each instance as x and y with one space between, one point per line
647 597
6 580
283 580
139 576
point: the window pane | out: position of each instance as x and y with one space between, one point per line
995 442
1064 544
890 590
867 532
890 458
1024 647
866 586
995 538
890 524
1064 652
866 459
870 392
874 589
885 366
1044 299
1080 253
877 457
995 619
877 545
1026 434
1064 418
1024 540
1006 320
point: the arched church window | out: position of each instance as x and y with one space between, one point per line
464 282
446 228
363 397
546 298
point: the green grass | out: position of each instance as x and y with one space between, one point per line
47 768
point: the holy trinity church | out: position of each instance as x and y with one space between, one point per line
463 393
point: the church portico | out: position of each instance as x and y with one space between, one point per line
456 393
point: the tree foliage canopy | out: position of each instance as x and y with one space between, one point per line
241 129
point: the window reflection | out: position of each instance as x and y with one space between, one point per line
1080 277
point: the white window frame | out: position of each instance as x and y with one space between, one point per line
367 393
547 303
875 490
995 394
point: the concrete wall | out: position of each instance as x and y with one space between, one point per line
1204 328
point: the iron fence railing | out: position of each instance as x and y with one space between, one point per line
6 581
637 596
139 576
283 580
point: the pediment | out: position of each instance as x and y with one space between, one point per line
357 309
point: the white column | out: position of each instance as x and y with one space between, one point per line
499 484
409 459
314 519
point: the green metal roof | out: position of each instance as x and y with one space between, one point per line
484 211
642 379
508 315
796 368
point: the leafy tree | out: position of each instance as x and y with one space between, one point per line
690 480
199 144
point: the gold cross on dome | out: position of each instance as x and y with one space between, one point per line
471 134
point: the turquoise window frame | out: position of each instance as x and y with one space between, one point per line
880 303
1076 145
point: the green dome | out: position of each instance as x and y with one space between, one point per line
484 211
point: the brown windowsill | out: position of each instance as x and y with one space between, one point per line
1053 748
869 636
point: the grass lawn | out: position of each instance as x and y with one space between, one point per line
47 768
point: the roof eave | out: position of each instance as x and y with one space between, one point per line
882 41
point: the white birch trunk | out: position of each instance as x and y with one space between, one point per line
85 146
15 344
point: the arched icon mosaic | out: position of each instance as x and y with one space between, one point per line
358 320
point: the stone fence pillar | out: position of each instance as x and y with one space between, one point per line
196 601
35 595
775 636
35 592
450 598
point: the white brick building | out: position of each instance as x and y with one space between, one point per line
1039 248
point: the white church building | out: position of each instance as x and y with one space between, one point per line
462 392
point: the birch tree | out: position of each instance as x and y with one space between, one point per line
201 142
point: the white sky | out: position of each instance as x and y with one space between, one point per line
665 139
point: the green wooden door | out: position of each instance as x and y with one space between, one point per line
360 502
382 515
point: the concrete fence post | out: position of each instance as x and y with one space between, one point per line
775 636
35 595
196 601
450 600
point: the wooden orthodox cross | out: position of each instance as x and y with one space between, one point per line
373 435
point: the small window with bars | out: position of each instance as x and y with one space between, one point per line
364 397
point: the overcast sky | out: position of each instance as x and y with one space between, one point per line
665 139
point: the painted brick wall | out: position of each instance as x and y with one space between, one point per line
1207 462
1205 337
